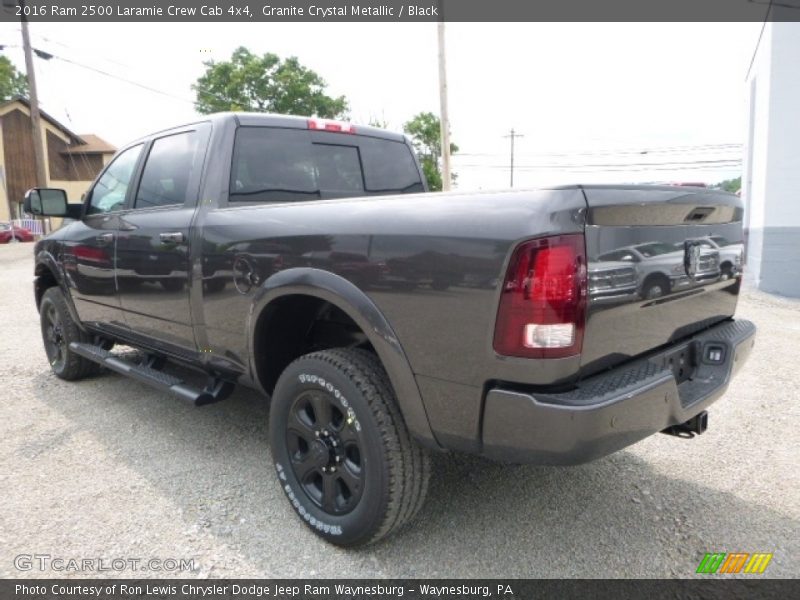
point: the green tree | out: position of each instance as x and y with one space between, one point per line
12 82
265 84
425 132
730 185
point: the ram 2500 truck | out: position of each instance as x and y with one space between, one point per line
302 258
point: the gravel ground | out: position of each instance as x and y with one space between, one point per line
108 468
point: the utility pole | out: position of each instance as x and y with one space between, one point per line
513 135
444 121
36 122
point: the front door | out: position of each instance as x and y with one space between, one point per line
153 259
89 257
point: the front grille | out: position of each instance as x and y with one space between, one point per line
612 279
708 263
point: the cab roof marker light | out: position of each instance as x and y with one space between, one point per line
333 126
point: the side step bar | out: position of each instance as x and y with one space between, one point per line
216 390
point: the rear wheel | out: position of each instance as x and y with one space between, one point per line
59 330
343 454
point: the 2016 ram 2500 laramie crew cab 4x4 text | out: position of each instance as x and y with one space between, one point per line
302 258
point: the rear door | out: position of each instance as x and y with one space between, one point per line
153 258
277 167
663 233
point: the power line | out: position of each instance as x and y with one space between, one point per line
722 147
677 164
120 78
48 56
758 41
640 170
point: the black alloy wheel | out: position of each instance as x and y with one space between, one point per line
325 452
59 330
342 452
53 333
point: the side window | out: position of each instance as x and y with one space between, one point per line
389 167
272 165
109 192
168 170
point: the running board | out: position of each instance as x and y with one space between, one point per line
216 390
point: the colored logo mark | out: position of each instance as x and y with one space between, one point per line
734 562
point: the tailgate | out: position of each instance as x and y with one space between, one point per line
663 263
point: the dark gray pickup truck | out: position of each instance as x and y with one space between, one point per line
302 258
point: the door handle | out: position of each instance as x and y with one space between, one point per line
172 237
104 239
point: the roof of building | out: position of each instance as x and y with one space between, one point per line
92 145
83 144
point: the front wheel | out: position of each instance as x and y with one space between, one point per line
59 330
655 287
343 454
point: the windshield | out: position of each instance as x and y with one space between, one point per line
720 241
654 249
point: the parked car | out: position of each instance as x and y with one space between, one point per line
14 233
489 340
661 269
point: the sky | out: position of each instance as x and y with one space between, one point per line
632 102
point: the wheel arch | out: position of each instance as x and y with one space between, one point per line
47 275
318 286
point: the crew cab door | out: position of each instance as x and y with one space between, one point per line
89 253
153 246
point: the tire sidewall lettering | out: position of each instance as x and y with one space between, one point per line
352 419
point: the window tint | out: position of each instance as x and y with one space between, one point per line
338 168
389 167
109 192
168 170
283 165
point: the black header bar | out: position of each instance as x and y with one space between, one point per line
266 11
711 588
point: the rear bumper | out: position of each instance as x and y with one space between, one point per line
610 411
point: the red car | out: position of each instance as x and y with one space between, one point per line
8 233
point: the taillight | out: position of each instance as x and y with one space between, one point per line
543 300
335 126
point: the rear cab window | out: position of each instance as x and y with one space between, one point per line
272 164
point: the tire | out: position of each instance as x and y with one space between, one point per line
379 475
655 287
726 271
59 330
172 285
214 286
